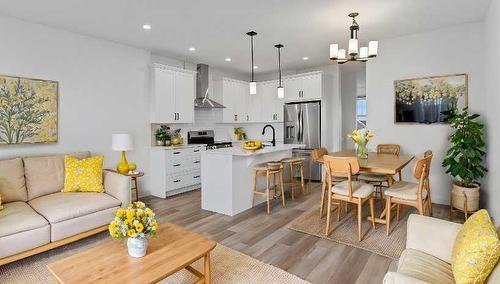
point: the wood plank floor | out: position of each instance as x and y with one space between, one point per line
268 239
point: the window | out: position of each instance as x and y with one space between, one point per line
361 112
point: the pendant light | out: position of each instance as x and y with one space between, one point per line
253 84
281 90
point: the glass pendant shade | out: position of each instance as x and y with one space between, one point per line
253 88
353 46
281 92
363 53
342 54
334 51
372 48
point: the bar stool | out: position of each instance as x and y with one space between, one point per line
274 170
295 163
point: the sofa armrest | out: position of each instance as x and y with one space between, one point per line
432 236
400 278
118 186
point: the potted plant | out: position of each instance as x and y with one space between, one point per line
464 160
361 138
135 224
163 136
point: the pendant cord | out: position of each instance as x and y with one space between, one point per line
251 43
279 64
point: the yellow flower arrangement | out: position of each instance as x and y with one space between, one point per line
135 221
361 138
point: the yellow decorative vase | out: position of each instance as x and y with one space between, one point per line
122 167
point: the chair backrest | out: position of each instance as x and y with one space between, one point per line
422 167
341 166
393 149
318 153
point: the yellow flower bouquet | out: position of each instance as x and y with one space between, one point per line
135 224
361 137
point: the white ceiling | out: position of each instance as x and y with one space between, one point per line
217 27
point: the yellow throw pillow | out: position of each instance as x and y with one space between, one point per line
83 175
476 250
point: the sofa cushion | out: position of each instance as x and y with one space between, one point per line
45 175
61 206
425 267
12 183
71 227
19 217
23 241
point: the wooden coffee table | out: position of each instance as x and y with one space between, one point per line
174 248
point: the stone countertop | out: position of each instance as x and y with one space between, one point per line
238 151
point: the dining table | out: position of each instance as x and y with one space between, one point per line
376 163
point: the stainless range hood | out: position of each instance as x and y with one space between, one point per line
202 100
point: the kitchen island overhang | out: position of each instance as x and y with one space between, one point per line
227 176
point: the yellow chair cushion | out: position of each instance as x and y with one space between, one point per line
83 175
476 249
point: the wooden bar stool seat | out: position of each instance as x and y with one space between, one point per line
274 171
295 164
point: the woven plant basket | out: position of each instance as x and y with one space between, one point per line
465 196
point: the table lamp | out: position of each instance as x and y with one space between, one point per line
122 142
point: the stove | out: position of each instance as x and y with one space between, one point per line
207 137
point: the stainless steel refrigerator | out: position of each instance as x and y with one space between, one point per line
303 126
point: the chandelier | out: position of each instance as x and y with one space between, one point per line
353 52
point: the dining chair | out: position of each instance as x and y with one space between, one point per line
316 156
411 194
350 191
378 179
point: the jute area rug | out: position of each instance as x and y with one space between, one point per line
346 230
228 266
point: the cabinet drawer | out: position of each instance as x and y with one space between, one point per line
177 181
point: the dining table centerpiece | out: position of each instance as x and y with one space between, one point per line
135 224
361 137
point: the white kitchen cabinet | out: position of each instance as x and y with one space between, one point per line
303 87
172 95
175 170
237 101
271 105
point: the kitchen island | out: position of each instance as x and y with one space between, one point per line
227 176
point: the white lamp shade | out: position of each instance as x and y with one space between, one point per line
334 51
353 46
372 48
342 55
363 52
122 142
281 92
253 88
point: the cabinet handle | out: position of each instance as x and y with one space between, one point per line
248 118
235 117
177 153
178 116
196 162
196 176
197 150
176 165
177 180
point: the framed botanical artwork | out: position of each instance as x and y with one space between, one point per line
423 100
28 110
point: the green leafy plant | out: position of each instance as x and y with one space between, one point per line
162 134
464 160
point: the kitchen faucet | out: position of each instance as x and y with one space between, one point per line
274 133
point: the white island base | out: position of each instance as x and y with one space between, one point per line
227 177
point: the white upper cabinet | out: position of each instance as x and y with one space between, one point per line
172 95
271 105
240 105
303 87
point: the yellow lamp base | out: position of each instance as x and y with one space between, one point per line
122 166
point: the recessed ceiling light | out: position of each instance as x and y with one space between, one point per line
305 58
255 67
192 49
228 59
146 26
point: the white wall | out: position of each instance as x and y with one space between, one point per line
491 192
452 50
102 89
353 85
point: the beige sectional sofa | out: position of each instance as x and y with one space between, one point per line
427 257
37 216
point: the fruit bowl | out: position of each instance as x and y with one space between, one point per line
252 145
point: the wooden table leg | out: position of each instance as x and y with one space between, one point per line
208 276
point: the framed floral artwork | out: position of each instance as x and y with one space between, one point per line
423 100
28 110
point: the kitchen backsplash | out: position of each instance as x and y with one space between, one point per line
208 119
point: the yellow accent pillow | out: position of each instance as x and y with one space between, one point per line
476 249
83 175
